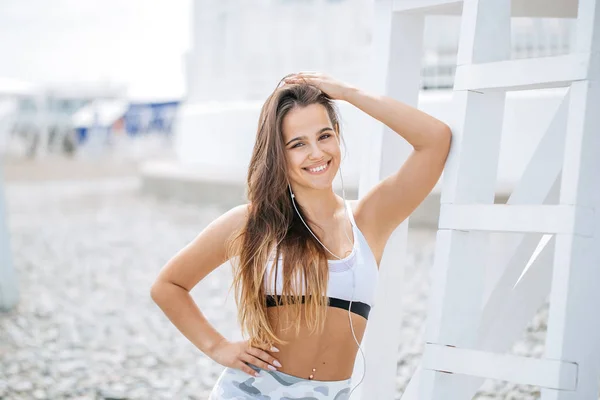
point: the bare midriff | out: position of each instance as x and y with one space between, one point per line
325 356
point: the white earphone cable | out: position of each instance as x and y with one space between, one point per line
339 258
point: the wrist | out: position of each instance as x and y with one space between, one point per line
349 93
210 348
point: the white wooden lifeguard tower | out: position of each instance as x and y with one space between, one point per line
470 329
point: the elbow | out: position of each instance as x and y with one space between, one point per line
162 290
156 291
445 137
445 132
438 140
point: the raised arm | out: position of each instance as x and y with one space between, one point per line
392 200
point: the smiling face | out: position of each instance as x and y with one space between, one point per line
311 147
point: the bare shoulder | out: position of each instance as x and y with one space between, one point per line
226 224
232 220
219 232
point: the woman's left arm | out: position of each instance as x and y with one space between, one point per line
393 199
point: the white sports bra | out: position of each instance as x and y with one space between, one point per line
359 269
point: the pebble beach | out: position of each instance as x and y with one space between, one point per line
86 250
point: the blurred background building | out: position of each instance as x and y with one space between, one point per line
237 53
240 51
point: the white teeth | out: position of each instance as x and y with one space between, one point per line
320 168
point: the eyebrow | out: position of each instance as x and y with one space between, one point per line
304 137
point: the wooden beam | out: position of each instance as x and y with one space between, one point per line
573 320
518 218
505 323
546 162
395 70
529 73
546 373
519 8
507 317
501 324
429 7
469 177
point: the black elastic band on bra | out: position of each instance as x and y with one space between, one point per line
358 307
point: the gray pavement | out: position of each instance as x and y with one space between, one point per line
86 253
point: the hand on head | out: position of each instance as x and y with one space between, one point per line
333 88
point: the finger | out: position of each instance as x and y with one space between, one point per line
245 368
263 355
305 80
313 73
307 77
299 77
306 74
249 358
260 353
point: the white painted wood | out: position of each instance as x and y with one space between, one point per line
508 309
574 321
519 8
523 370
395 69
508 316
474 153
469 177
9 293
538 185
518 218
512 313
545 165
587 38
429 7
530 73
484 23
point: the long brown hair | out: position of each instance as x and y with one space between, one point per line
273 228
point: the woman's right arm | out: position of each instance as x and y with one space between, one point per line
170 292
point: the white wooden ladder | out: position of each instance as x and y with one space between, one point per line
469 331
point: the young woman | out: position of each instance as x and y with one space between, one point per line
305 260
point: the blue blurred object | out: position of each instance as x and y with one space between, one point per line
150 117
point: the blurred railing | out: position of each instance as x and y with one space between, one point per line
539 37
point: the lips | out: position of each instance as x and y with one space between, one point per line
319 169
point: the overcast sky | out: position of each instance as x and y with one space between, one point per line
140 43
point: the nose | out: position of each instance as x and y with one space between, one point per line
315 151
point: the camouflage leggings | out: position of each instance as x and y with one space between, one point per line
233 384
